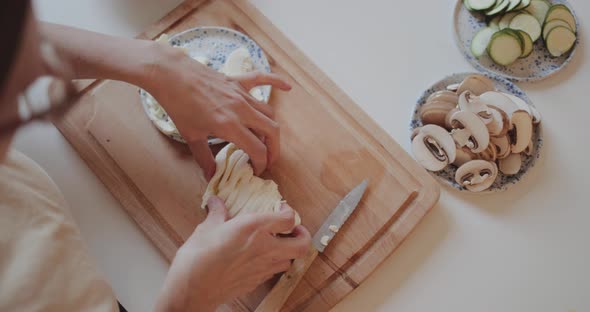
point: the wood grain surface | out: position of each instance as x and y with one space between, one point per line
328 145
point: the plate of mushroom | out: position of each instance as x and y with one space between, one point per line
476 133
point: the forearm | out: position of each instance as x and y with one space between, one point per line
99 56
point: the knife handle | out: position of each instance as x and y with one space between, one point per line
275 299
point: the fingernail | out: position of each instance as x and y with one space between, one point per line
285 206
214 202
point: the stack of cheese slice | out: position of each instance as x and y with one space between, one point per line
243 192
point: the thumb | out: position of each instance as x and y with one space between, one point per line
217 211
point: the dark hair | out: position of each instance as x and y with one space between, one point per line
12 20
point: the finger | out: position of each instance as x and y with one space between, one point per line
204 157
258 105
280 222
258 78
279 267
217 211
295 246
252 145
266 223
268 129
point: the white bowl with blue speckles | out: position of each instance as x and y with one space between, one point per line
537 66
447 175
215 44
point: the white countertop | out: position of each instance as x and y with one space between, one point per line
524 250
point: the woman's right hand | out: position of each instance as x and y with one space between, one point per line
204 102
225 259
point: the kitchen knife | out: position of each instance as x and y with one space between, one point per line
287 283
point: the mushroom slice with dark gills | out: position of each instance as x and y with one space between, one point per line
489 154
450 114
433 147
477 175
502 145
500 123
470 131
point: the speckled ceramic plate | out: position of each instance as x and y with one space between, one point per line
447 176
537 66
215 44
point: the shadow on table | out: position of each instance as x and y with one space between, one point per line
566 73
399 267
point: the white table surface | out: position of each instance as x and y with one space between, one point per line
524 250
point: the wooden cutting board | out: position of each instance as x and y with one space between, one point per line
328 146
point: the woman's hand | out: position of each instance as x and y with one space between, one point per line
203 102
200 100
225 259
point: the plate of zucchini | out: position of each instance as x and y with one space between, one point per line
521 40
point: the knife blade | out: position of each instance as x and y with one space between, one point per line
338 216
278 295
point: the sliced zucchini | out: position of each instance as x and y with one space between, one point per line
495 22
513 4
560 11
504 48
467 6
498 8
506 19
479 5
552 24
523 5
481 40
528 43
528 23
538 9
560 40
516 34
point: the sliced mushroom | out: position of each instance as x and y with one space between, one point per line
453 87
477 84
489 154
463 155
511 164
435 112
522 105
500 122
499 101
433 148
469 130
444 96
536 115
502 145
471 103
521 132
448 125
477 175
415 133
